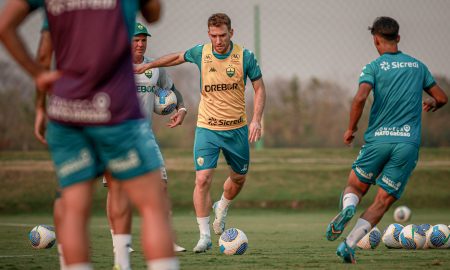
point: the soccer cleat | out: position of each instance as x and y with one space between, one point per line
338 223
219 221
130 249
346 253
178 248
203 245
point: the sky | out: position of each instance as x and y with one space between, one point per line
327 39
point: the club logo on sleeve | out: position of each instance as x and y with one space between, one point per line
385 66
200 161
148 73
231 71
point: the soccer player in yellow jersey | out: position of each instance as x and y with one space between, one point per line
222 123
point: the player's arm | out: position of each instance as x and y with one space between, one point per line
44 58
258 108
169 60
358 103
150 9
439 99
11 16
178 118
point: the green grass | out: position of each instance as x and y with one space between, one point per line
278 178
289 197
278 239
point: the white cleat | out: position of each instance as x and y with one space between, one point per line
178 248
130 249
203 245
219 221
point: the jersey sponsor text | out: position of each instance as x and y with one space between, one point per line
223 122
221 87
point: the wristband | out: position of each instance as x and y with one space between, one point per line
182 109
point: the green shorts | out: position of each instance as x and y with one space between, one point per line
388 165
233 143
82 153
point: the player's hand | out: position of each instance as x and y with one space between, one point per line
429 104
349 136
177 119
45 80
142 68
254 132
40 125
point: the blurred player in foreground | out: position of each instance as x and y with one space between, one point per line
392 137
222 123
119 211
95 121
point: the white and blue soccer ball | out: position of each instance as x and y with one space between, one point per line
371 240
391 236
412 237
425 228
402 214
233 242
438 236
165 101
42 236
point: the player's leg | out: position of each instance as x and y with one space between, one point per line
231 189
119 212
236 150
165 180
392 181
76 164
57 219
133 158
146 193
202 205
363 174
76 201
206 154
350 198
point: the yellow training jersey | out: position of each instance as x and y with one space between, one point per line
222 102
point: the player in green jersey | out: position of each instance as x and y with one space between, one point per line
221 123
392 137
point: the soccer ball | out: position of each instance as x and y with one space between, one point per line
42 236
402 214
165 101
371 240
391 236
438 236
412 237
425 228
233 242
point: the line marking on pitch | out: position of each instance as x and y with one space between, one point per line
15 256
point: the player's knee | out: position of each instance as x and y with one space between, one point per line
203 181
238 179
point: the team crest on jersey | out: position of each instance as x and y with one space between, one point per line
148 73
200 161
231 71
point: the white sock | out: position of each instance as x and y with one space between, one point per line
349 199
203 226
361 228
80 266
163 264
62 262
224 202
121 254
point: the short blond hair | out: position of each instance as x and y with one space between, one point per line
218 19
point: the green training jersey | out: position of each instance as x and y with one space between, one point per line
397 80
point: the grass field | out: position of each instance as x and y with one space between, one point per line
278 239
289 198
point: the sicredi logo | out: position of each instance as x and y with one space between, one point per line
394 65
